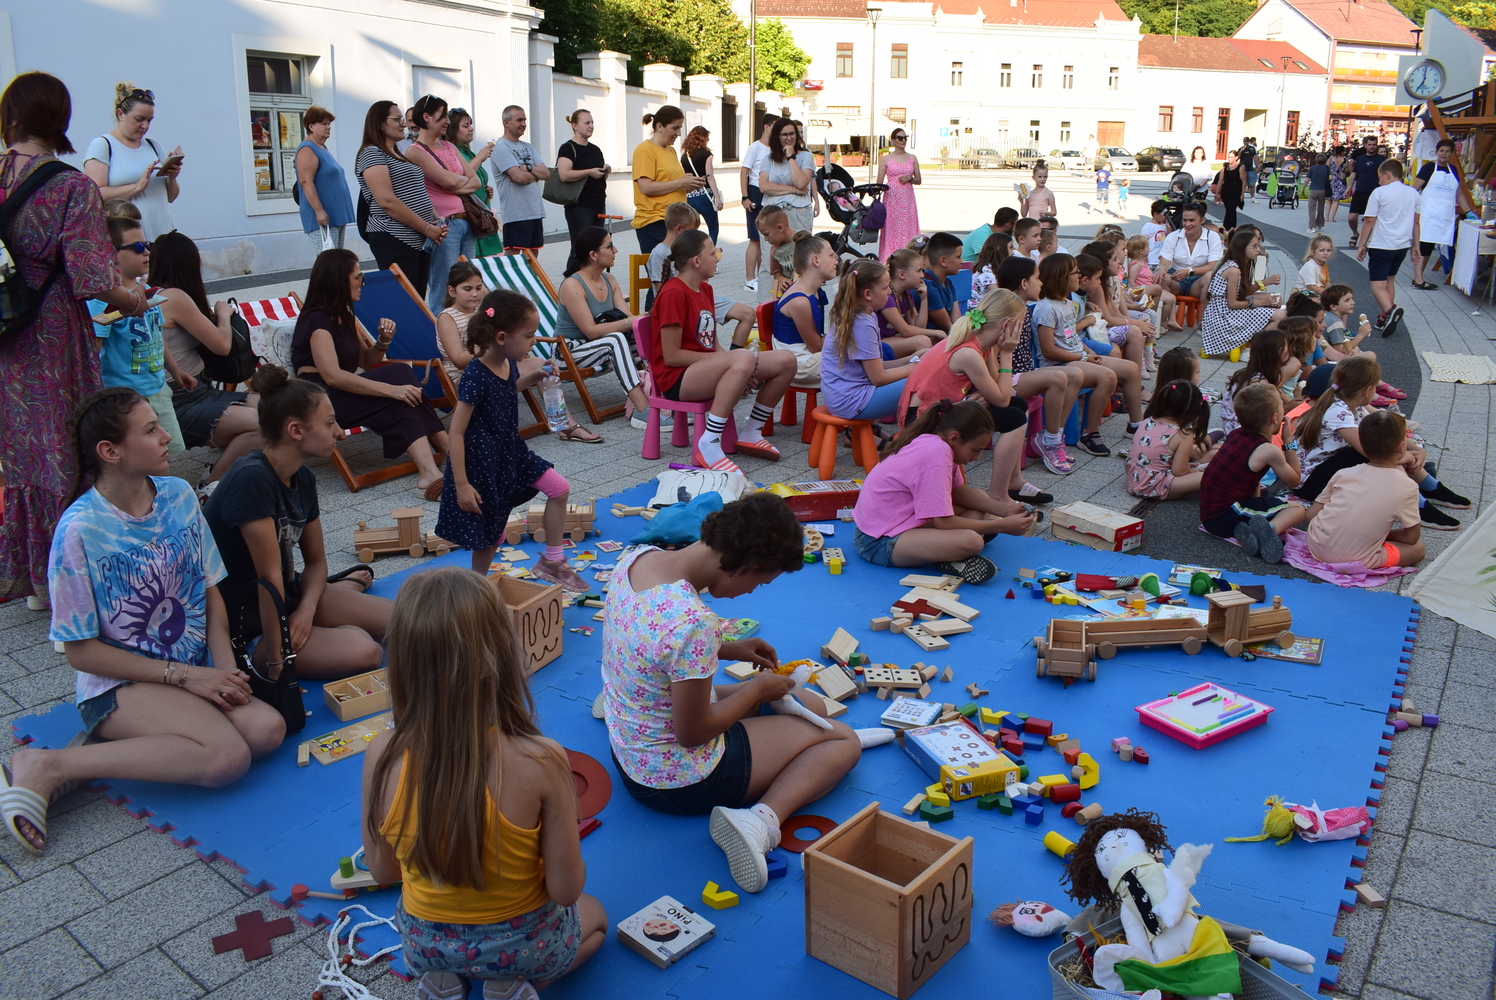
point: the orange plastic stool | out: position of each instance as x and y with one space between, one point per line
823 444
1187 309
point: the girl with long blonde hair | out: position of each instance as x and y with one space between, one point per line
856 381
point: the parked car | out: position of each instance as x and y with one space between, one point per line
1024 158
982 159
1268 156
1165 158
1066 159
1120 158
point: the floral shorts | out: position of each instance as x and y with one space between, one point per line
534 946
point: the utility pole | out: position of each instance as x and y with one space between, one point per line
1176 20
753 126
872 93
1283 106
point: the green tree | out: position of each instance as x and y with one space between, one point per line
703 36
1202 18
574 23
781 63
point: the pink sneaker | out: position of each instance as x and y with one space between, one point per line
560 572
1055 458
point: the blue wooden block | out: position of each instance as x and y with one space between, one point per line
1025 801
779 865
1033 741
1033 815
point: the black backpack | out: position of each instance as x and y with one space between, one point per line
240 363
19 302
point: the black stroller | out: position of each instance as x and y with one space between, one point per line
858 207
1286 194
1181 192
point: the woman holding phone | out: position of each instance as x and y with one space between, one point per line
124 163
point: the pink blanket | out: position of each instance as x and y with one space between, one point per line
1348 574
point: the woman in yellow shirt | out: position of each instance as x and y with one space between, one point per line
470 807
659 178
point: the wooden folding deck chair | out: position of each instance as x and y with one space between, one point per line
521 272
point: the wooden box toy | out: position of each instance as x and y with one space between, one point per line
1097 527
1066 650
886 901
1234 623
537 617
819 501
358 696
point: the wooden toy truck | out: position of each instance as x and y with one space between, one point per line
579 518
1066 650
1233 623
1112 634
405 536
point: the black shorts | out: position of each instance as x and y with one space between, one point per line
673 393
1384 264
526 235
727 785
1358 202
1224 525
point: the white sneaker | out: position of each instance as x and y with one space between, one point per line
441 986
638 423
751 284
509 989
745 838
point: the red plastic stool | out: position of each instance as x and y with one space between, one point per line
823 445
1187 310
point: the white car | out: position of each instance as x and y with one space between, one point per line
1066 159
1121 158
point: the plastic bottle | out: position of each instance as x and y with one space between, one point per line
554 403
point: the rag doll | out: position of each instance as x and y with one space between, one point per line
1310 822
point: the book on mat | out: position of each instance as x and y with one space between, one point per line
665 931
1304 650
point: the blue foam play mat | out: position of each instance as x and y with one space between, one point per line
1326 741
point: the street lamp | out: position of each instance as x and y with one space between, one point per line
1283 106
872 93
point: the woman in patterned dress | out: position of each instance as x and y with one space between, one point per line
59 241
900 171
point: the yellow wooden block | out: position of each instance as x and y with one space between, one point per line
717 898
937 796
1056 739
1050 780
992 717
1090 771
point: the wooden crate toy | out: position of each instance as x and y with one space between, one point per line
405 536
578 525
536 609
357 696
887 901
1112 634
1233 623
1065 650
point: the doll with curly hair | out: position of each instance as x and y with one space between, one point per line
1118 863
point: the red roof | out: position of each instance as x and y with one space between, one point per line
1042 13
1234 54
1375 21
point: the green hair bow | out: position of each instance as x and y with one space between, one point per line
976 318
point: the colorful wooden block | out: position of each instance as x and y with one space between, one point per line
990 717
989 801
1140 755
1069 809
1057 739
969 709
1033 815
1041 727
779 865
718 898
1119 742
1013 746
912 806
1072 756
937 795
1064 793
1090 771
934 813
1090 812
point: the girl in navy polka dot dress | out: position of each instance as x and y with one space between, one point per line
490 471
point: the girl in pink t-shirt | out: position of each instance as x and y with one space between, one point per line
915 506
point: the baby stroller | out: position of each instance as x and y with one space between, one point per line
858 207
1283 186
1181 192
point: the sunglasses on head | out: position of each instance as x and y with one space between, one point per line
138 95
139 246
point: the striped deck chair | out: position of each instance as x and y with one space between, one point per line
522 273
390 295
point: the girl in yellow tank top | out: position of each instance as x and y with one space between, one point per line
469 807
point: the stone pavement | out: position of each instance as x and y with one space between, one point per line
114 909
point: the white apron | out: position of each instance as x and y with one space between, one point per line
1438 208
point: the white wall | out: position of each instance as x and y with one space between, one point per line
1276 20
1187 88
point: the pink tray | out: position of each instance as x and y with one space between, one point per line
1203 715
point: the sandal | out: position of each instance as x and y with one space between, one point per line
431 492
574 435
18 803
1425 285
758 449
347 574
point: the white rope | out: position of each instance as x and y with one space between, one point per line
331 973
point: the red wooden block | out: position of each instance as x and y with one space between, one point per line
1064 793
1140 755
1069 809
1072 757
1038 726
1014 747
253 934
917 608
1008 595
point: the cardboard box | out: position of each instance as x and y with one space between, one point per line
537 617
818 501
887 901
358 696
665 931
1097 527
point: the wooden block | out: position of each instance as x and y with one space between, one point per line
881 623
1072 756
947 626
900 624
1068 745
950 715
912 805
921 609
1140 755
944 601
841 646
1064 793
1407 705
1069 809
989 716
924 691
928 673
935 814
303 754
948 674
1090 812
1039 727
1370 896
833 707
1411 718
969 710
742 670
883 693
835 684
891 676
932 582
718 898
924 640
1057 739
937 795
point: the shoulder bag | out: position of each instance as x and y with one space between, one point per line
481 221
20 304
283 691
240 363
559 192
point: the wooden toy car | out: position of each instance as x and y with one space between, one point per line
1112 634
1066 651
405 536
1233 623
579 518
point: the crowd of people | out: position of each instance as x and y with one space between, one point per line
180 609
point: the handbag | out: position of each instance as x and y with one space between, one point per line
559 192
702 195
282 692
481 221
610 316
240 363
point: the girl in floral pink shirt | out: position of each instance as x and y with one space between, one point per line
685 746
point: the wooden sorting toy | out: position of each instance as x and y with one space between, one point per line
1233 623
1065 651
358 696
1202 716
350 740
405 536
536 610
578 524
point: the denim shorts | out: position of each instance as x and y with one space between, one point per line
95 710
1186 282
534 946
727 785
878 551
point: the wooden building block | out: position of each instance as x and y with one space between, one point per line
900 623
928 673
1037 726
912 805
741 670
883 693
1057 739
1370 896
1088 813
835 684
937 795
303 754
891 676
947 626
834 708
881 623
945 582
943 601
718 898
923 692
924 640
1064 793
989 716
936 814
841 646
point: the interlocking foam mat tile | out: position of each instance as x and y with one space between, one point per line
1326 741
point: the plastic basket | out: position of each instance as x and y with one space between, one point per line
1257 983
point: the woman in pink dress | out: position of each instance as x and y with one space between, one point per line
900 171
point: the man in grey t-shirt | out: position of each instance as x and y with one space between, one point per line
520 174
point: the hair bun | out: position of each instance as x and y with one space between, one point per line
269 379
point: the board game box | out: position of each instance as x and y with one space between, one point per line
910 713
665 931
950 744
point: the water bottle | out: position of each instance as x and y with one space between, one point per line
554 403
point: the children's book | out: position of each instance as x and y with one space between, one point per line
910 713
1182 573
733 629
1304 650
665 931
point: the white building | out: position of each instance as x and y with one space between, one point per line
231 80
966 74
1275 93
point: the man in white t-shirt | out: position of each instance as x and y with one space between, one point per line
1389 228
754 162
1189 253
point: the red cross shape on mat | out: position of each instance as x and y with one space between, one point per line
917 608
253 934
